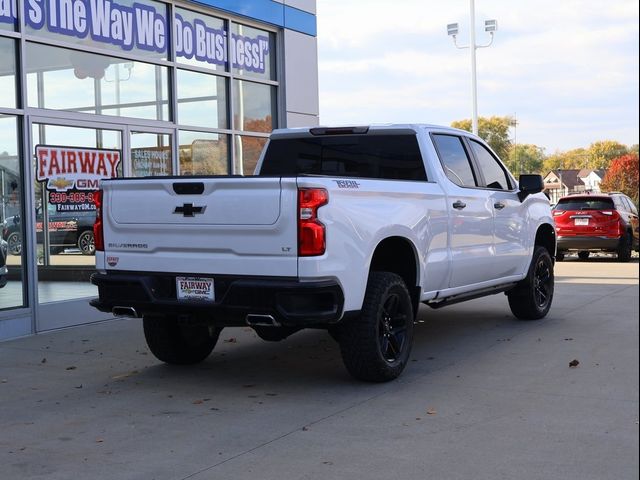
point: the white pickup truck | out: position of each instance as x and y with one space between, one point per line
347 229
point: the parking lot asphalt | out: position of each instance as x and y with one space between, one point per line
485 396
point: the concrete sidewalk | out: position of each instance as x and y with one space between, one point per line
484 397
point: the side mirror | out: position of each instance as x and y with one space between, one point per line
529 184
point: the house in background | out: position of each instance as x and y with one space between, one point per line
561 182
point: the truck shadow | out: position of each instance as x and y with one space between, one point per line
311 359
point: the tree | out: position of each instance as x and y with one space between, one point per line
525 158
603 152
572 159
493 130
622 176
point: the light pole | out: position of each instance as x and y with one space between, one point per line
490 26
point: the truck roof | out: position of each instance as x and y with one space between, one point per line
361 129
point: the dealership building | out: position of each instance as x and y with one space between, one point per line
93 89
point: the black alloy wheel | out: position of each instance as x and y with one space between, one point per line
543 284
376 345
531 298
14 243
86 243
392 328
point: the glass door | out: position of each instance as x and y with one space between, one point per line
68 163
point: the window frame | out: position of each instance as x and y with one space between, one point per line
513 184
465 147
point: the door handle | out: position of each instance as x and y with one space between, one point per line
458 205
499 205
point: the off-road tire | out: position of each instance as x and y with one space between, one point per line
178 344
583 255
376 345
624 249
532 297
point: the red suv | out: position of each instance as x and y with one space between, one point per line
596 223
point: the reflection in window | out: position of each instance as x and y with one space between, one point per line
494 175
7 72
203 153
454 160
209 50
62 79
150 154
11 274
202 100
254 106
253 52
248 150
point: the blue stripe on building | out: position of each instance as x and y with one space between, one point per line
270 12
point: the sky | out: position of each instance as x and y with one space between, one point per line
567 70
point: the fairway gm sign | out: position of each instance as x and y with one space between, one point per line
71 168
140 26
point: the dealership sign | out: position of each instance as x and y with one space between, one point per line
78 169
141 26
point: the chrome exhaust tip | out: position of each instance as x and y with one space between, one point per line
260 320
124 312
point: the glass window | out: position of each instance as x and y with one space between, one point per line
254 106
151 154
253 52
11 253
203 153
248 150
200 40
582 203
9 15
367 156
137 26
202 99
454 160
7 72
494 175
62 79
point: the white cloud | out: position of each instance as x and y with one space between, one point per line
568 69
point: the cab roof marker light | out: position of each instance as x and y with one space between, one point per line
316 131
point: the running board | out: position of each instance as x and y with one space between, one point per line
463 297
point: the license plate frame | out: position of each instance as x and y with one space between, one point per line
191 289
581 222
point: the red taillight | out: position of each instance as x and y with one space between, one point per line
311 232
98 235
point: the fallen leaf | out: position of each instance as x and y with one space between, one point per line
431 411
305 428
44 360
568 339
79 386
231 340
71 368
99 440
574 363
197 402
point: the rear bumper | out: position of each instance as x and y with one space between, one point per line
288 301
588 243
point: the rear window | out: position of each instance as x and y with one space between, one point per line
585 204
395 157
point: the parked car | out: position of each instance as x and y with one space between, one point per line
596 223
66 230
3 263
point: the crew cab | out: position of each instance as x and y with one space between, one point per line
347 229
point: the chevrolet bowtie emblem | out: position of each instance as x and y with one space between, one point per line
188 210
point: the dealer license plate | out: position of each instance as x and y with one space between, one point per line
581 221
195 288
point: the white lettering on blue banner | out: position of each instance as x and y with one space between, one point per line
140 26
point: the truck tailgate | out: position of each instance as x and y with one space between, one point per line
229 226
